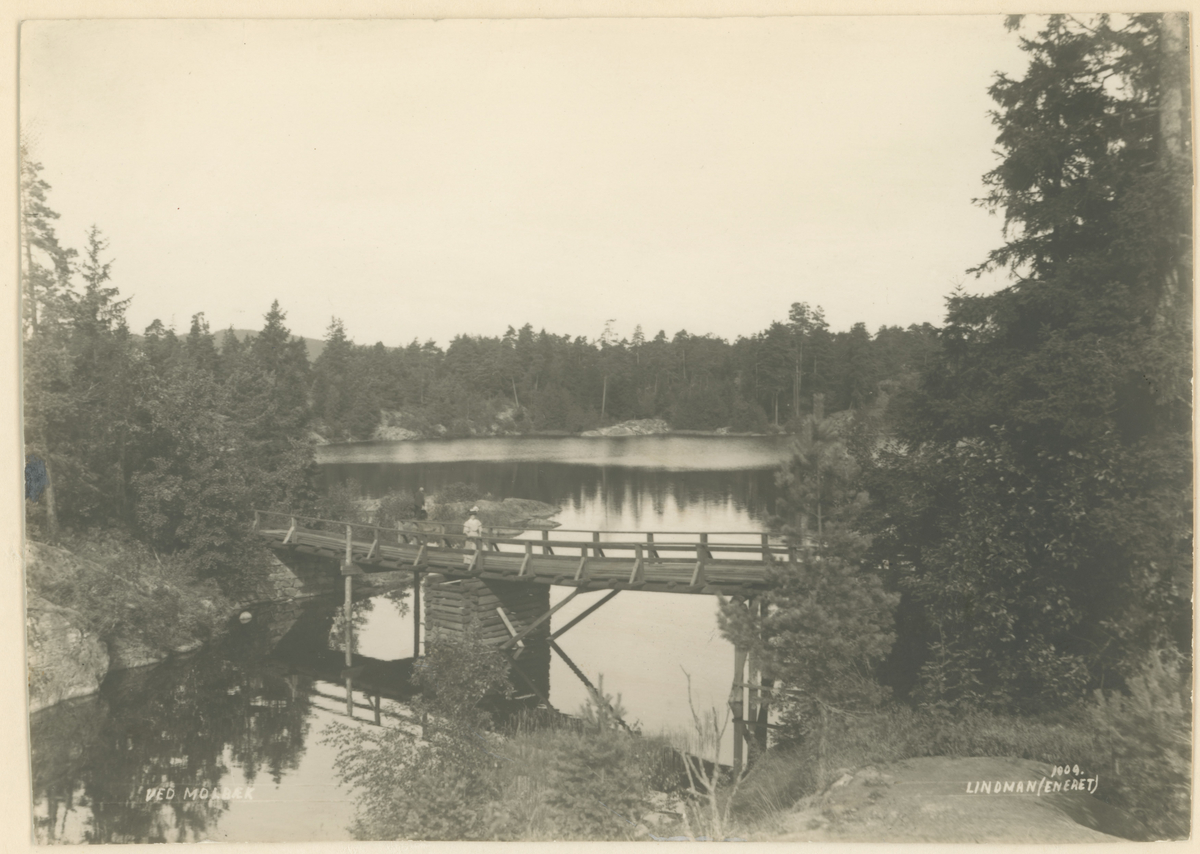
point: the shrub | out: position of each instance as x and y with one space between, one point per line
459 491
342 502
1148 734
397 505
455 677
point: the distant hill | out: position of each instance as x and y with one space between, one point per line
313 345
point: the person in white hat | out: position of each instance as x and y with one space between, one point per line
472 528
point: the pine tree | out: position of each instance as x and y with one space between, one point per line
1038 519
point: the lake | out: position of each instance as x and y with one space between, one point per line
248 712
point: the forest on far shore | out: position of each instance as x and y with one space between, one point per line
526 381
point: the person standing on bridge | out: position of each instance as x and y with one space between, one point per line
472 529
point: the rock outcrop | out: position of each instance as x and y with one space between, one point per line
64 660
959 800
639 427
394 434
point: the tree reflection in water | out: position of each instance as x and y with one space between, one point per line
184 724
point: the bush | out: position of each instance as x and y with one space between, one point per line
397 505
455 677
459 491
342 502
1148 734
541 780
570 780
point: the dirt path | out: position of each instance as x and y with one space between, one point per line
938 799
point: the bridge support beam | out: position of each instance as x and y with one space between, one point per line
749 699
416 609
348 619
735 704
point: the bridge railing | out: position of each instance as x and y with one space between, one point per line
707 545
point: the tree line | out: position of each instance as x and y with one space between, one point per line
527 381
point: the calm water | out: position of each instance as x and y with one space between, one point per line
249 712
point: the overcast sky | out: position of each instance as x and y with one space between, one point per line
422 179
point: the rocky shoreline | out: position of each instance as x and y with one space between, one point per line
69 652
636 427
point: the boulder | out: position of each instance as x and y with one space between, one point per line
126 652
637 427
64 661
394 434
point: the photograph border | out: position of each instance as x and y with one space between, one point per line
15 805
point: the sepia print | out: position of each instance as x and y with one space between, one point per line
767 429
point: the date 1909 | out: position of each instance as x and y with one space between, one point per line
1066 771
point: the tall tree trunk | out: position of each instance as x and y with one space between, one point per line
1172 110
1172 122
604 397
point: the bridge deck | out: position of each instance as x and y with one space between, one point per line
652 563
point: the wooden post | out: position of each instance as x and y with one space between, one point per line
349 694
349 613
764 695
650 550
637 574
750 704
546 550
416 615
349 545
704 546
735 703
596 550
526 559
698 572
378 711
766 548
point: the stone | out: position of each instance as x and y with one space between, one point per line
63 660
126 653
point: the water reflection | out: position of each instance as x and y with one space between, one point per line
234 717
638 497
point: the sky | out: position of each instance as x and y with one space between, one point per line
423 179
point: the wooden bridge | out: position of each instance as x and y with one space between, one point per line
731 565
713 563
